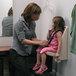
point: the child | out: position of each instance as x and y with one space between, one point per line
53 46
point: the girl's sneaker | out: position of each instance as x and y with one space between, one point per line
36 66
41 70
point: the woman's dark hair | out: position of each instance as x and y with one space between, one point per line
31 9
59 22
10 12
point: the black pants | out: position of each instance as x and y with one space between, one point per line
22 65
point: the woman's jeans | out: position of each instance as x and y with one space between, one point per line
22 65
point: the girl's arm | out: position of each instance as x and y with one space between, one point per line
59 37
48 34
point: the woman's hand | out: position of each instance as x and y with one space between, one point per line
43 43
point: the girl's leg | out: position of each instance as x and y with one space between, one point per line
43 59
38 54
43 67
38 58
38 63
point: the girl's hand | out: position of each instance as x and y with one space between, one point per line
44 43
57 59
57 55
50 29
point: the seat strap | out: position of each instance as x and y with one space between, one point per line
50 39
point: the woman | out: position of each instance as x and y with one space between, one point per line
24 38
7 24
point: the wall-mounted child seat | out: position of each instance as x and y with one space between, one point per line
64 48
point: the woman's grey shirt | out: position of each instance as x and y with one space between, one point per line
21 32
7 26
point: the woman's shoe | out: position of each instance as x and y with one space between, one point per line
36 66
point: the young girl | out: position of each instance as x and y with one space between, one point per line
53 46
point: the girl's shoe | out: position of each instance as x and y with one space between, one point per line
41 70
36 66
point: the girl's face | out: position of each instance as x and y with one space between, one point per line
35 17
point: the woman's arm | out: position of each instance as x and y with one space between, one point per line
35 39
59 37
26 41
30 42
